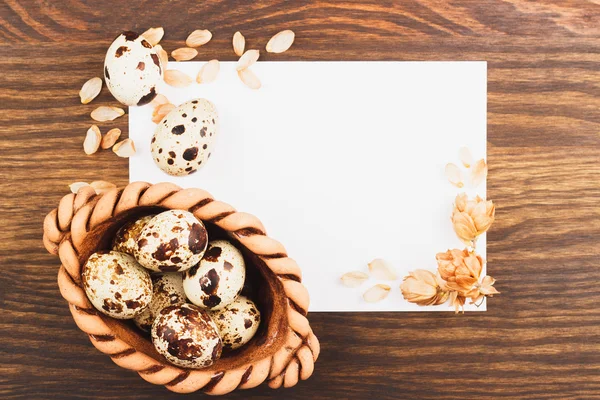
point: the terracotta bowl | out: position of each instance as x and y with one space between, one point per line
282 352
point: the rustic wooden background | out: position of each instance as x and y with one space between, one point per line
539 339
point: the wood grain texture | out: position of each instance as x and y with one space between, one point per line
540 338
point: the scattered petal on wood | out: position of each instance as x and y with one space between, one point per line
102 186
280 42
159 100
161 111
247 59
354 278
110 138
376 293
454 175
177 78
249 79
381 269
92 140
90 90
479 172
198 38
77 185
124 148
209 71
465 156
105 113
154 35
239 43
163 57
184 54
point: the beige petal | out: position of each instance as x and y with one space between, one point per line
77 185
102 186
239 42
209 71
425 276
163 57
198 38
161 111
280 42
461 201
354 278
247 59
90 90
105 113
454 175
177 78
124 148
479 172
184 54
465 157
249 79
376 293
154 35
159 100
381 269
92 140
464 226
110 138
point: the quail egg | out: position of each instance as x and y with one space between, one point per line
132 69
183 140
116 284
126 238
171 241
237 323
186 336
218 279
167 290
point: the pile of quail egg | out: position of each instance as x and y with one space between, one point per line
185 291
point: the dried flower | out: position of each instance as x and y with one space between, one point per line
471 218
424 288
460 269
483 289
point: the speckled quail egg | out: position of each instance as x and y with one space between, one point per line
127 236
218 279
167 290
171 241
116 284
186 336
132 69
237 323
183 140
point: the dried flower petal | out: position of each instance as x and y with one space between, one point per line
77 185
110 138
465 156
102 186
198 38
280 42
184 54
209 71
163 57
161 111
454 176
381 269
90 90
239 42
247 59
159 100
354 278
479 172
92 140
249 79
376 293
105 113
457 301
177 78
124 148
154 35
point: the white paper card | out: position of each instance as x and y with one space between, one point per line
342 161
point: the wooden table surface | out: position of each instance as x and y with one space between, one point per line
539 339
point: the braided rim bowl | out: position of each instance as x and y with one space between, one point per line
282 352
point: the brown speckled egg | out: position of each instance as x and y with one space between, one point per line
167 290
172 241
218 279
116 284
237 323
126 238
186 336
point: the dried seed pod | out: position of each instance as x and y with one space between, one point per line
125 148
102 186
465 156
105 113
90 90
479 172
198 38
280 42
209 71
247 59
159 112
154 35
159 100
75 186
163 57
92 140
454 175
376 293
184 54
110 138
177 78
239 43
381 269
249 79
354 278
